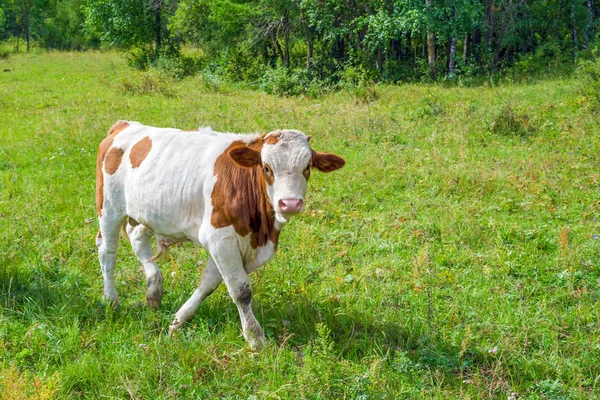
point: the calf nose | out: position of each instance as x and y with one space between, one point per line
290 206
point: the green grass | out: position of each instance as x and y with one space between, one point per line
455 256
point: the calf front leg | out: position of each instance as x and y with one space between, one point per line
211 279
229 262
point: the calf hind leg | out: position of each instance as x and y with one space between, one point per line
140 238
211 279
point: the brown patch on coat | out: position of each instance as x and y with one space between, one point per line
139 151
117 127
272 138
133 222
102 150
240 198
112 161
99 234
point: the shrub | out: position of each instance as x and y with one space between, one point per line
358 84
171 64
169 60
211 82
511 123
151 81
588 74
15 384
139 58
285 82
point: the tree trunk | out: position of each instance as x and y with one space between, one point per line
279 51
588 33
466 48
309 55
476 45
430 44
490 22
309 50
452 57
286 47
431 53
157 23
339 49
574 33
574 40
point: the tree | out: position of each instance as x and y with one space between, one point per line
2 22
24 10
127 23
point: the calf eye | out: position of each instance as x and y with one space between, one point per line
306 172
266 169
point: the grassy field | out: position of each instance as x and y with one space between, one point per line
457 255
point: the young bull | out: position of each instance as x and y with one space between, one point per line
230 193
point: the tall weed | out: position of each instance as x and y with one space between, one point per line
151 81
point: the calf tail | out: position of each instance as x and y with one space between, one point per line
99 238
163 251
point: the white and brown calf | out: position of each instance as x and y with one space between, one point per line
230 193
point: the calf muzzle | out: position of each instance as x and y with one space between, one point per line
291 206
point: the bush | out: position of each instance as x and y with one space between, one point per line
139 58
211 82
358 84
151 81
549 58
511 123
171 64
169 60
285 82
588 74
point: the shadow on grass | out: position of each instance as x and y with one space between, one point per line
359 336
46 292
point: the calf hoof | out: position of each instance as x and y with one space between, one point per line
176 324
114 304
153 302
257 343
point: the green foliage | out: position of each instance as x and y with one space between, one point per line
588 79
2 23
210 81
285 82
139 58
357 83
120 22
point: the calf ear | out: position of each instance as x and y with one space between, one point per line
245 156
327 162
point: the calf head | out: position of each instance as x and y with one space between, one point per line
286 160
